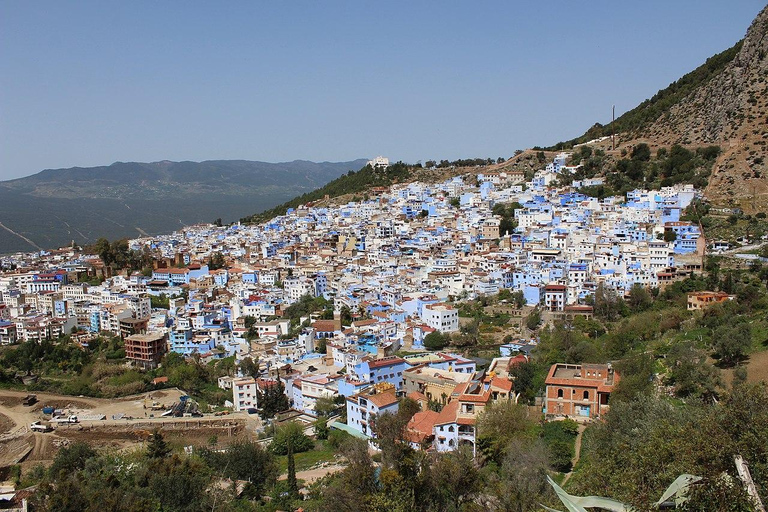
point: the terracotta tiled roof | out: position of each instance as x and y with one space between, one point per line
421 425
382 400
448 414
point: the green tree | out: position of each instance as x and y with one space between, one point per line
436 340
245 460
250 367
321 428
533 320
390 433
216 261
731 343
689 372
325 406
527 380
290 433
292 484
71 458
498 425
157 448
639 298
520 485
272 399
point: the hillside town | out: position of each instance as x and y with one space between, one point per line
392 268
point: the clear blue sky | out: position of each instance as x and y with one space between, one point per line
91 83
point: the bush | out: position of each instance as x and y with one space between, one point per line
336 438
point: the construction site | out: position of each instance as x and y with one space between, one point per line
34 427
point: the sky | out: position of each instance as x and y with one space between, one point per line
94 82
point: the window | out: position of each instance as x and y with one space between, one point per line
559 393
450 429
586 395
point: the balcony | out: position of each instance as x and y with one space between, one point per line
466 432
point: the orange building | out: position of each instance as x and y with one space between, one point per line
701 300
579 390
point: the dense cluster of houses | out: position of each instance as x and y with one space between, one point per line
396 262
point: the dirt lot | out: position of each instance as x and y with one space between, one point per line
128 423
757 368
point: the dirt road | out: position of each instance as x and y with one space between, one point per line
311 475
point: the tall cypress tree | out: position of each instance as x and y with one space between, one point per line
292 485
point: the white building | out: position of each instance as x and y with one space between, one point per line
244 394
441 316
379 161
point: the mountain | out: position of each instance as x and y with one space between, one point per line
730 110
129 199
724 102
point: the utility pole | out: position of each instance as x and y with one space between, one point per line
613 128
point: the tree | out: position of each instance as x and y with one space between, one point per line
390 432
732 342
637 374
521 484
436 340
245 460
325 406
157 448
670 235
321 428
355 484
71 458
689 372
518 298
272 399
641 152
216 261
250 367
533 320
346 315
639 298
292 485
526 383
290 433
498 425
453 479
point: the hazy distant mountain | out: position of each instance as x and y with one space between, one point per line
56 206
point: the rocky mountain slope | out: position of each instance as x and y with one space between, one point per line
730 110
723 102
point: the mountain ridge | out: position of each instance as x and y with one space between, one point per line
127 199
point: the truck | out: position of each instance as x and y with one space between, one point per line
65 419
38 426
